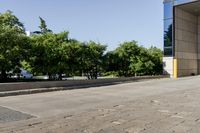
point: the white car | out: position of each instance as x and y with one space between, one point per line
25 74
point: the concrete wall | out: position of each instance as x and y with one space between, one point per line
168 66
186 42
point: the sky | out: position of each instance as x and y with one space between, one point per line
109 22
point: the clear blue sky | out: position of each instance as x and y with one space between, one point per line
105 21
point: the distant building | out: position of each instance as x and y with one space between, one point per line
29 33
181 37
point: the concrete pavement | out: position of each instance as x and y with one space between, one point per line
156 106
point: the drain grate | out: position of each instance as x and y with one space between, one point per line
9 115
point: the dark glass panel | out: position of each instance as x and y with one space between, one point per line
168 28
168 32
168 51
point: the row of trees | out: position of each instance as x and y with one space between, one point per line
130 59
55 53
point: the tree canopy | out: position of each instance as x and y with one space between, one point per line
49 53
43 26
14 44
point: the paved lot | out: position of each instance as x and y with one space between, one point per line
156 106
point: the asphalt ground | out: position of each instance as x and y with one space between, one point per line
153 106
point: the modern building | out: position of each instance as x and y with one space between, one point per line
181 37
29 33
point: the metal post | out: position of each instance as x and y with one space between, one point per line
175 68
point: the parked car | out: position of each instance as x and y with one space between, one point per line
23 74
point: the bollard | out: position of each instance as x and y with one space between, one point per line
175 68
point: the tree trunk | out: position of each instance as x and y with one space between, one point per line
60 76
3 75
50 76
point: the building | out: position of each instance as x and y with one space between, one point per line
181 37
29 33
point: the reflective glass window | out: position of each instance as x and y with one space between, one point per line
168 10
168 28
168 32
168 51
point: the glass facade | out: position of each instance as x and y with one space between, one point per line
168 28
168 24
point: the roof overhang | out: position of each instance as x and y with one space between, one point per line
192 7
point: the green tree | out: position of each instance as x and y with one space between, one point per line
48 53
156 57
43 26
92 59
141 64
111 63
127 52
73 51
14 44
149 62
130 59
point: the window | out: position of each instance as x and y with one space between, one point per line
168 32
168 10
168 29
168 51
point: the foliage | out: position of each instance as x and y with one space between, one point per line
43 26
130 59
52 54
92 59
14 45
47 53
73 51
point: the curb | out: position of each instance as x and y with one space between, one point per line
29 91
50 89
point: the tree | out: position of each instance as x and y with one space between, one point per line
111 63
73 51
142 64
92 59
130 59
127 53
7 19
156 57
48 53
14 44
149 62
43 26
